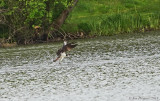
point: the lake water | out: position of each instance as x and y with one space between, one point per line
116 68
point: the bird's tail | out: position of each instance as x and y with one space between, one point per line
56 59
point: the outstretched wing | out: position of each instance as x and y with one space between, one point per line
68 47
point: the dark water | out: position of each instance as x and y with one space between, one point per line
116 68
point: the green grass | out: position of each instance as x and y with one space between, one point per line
107 17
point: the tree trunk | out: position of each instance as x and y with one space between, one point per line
61 19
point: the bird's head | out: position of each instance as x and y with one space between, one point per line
65 42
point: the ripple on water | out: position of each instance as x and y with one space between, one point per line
102 69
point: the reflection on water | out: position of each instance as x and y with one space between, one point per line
117 68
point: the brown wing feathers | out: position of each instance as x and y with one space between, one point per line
67 47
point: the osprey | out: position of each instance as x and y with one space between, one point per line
61 53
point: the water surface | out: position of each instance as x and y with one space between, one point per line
116 68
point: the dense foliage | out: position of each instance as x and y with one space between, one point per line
18 18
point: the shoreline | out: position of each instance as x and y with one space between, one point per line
58 39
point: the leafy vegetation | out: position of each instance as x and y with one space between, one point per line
18 18
108 17
24 20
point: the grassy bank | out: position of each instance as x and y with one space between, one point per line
107 17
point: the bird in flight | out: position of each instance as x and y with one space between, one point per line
61 53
